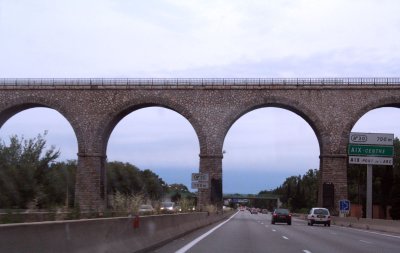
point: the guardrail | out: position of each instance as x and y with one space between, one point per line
201 81
120 235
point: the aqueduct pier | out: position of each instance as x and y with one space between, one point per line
94 107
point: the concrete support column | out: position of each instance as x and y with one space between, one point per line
211 164
333 169
90 188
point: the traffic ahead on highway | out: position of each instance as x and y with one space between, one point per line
249 230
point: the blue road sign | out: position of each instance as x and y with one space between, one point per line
344 205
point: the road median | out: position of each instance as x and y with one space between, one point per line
130 234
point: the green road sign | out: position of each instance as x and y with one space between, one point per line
367 150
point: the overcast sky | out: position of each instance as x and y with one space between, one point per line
187 38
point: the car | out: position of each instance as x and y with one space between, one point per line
254 211
167 207
281 215
146 210
264 211
319 215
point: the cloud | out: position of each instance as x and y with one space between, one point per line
154 38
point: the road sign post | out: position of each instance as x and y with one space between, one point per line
369 192
344 206
370 149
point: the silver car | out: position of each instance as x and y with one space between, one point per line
146 210
319 215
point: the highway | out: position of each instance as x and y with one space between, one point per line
245 232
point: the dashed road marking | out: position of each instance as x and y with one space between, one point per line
284 237
273 230
365 242
306 251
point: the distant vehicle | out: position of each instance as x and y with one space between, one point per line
319 215
167 207
281 215
254 211
146 210
178 209
264 211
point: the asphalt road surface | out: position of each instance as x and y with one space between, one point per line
248 233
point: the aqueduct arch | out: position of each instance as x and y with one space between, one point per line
17 105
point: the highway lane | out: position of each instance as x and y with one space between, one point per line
246 232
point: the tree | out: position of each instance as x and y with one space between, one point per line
154 187
124 178
31 177
179 188
298 192
309 183
128 179
59 184
396 157
23 168
395 199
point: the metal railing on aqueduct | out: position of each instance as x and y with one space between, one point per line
199 81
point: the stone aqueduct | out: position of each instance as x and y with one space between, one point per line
94 107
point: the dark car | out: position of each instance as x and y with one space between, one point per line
281 215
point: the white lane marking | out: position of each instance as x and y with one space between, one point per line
370 232
284 237
262 223
365 242
266 226
273 230
306 251
198 239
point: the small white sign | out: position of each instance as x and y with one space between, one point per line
199 185
371 139
199 177
371 160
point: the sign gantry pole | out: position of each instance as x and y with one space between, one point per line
369 192
370 149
